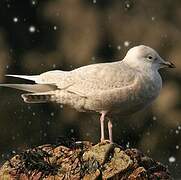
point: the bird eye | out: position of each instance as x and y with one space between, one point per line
150 57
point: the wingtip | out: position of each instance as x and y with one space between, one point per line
31 78
12 75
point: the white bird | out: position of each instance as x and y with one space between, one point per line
123 87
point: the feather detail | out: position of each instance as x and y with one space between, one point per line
37 97
38 88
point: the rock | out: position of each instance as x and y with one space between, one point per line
82 160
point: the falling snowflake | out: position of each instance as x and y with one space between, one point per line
127 5
128 144
171 159
52 114
55 28
119 48
94 1
153 18
177 147
148 133
15 19
93 58
126 43
13 152
33 2
32 29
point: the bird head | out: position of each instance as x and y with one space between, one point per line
144 57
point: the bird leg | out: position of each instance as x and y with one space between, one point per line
110 131
102 125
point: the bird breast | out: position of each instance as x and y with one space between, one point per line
144 92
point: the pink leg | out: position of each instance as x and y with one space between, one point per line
102 125
110 131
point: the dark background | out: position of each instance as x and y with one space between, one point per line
37 36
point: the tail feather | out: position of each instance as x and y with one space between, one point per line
34 78
35 88
37 97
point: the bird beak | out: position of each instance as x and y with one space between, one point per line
167 64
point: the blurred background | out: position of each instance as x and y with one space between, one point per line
37 36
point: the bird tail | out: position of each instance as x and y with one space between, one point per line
37 97
40 93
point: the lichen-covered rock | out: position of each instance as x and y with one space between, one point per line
82 160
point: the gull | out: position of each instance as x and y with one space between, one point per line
122 87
